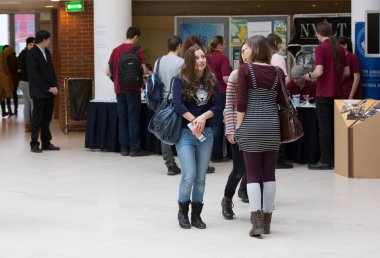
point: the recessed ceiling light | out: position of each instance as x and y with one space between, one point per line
314 5
49 6
258 6
55 0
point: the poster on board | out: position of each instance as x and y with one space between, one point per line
236 54
204 31
259 28
306 57
370 74
280 27
238 32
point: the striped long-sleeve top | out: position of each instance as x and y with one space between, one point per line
230 111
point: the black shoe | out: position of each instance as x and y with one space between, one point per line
227 206
210 170
196 220
173 170
320 166
284 165
243 195
140 153
124 153
50 147
4 114
183 215
35 149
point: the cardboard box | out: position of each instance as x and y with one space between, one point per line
357 144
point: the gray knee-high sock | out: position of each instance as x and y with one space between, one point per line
254 196
269 193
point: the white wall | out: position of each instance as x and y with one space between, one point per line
358 8
111 21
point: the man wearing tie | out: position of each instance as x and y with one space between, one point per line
43 87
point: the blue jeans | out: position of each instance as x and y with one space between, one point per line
218 129
194 157
128 108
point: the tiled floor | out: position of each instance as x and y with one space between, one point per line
77 203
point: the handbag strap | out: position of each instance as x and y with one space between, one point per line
170 88
285 92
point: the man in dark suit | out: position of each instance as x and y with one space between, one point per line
43 87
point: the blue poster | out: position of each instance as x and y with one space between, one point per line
370 75
204 31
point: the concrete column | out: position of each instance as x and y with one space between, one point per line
111 21
358 8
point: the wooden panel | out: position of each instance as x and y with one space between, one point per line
165 8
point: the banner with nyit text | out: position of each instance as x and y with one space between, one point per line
370 74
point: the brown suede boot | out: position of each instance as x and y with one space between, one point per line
267 218
257 225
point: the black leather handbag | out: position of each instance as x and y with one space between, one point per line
166 124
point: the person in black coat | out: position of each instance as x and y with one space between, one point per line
43 87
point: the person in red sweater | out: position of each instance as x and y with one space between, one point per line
299 86
352 85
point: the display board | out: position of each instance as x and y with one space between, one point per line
204 27
235 30
304 39
370 66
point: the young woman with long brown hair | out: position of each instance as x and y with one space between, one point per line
195 99
258 130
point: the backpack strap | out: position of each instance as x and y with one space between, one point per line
158 65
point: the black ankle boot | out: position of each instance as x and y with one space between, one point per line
196 220
227 205
183 215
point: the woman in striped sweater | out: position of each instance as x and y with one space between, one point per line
230 120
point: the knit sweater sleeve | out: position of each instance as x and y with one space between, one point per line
230 112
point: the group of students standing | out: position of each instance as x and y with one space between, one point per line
245 101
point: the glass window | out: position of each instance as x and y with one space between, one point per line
4 27
25 26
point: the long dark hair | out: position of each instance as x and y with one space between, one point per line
216 40
325 30
345 41
190 81
273 41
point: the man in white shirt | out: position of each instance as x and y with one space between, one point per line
169 67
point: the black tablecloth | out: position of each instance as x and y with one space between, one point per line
306 149
102 130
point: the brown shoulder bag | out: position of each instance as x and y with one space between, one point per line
290 125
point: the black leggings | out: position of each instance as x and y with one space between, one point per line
238 171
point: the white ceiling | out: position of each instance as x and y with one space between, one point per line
22 5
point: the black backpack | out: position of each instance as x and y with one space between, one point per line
129 70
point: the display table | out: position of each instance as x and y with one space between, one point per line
102 131
306 149
357 143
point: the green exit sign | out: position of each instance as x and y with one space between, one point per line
74 7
